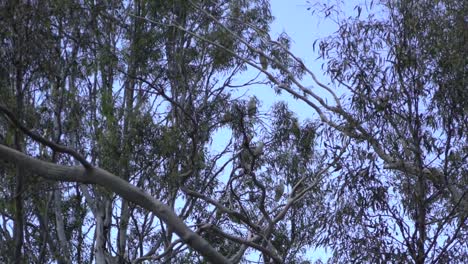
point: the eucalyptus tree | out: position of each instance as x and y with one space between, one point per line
114 106
402 193
397 107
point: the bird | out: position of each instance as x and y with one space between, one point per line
258 149
279 191
252 107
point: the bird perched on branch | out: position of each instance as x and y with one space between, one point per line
252 107
279 190
258 150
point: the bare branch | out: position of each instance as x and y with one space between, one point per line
116 184
56 147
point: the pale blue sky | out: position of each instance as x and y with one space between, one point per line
303 28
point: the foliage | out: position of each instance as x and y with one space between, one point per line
402 77
144 90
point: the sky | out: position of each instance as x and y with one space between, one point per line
303 27
292 17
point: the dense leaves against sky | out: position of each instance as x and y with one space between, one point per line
126 135
406 76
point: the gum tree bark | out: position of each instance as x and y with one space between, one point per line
115 184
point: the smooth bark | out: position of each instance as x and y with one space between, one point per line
116 184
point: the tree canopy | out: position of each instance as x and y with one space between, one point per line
110 110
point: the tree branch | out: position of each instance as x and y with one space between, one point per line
56 147
116 184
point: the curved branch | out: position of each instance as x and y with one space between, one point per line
250 242
116 184
56 147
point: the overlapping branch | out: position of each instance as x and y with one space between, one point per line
127 191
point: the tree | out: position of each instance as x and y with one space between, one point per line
406 78
115 104
114 98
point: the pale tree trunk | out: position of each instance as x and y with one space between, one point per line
18 229
178 91
103 221
114 184
60 225
58 95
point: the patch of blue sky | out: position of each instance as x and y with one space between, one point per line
303 28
